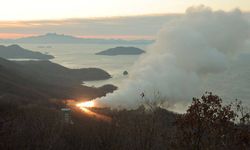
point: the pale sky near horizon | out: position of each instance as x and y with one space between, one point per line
98 18
62 9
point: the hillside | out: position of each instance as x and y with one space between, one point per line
50 70
43 80
17 52
121 51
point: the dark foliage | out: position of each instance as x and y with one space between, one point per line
210 125
27 125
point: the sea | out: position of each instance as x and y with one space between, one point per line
234 85
77 56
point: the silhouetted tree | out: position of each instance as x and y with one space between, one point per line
208 124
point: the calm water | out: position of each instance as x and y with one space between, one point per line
83 56
234 83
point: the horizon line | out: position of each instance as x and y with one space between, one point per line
16 36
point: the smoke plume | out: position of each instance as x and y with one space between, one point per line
201 51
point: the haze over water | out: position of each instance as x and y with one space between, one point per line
83 56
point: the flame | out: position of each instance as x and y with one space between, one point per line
96 115
86 104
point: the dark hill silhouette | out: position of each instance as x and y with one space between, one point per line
49 70
16 52
121 51
43 80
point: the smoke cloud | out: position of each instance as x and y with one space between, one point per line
204 50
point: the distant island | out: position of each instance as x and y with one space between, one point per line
121 51
125 73
17 52
54 38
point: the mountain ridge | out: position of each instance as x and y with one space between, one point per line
51 38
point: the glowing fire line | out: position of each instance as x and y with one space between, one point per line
86 104
84 107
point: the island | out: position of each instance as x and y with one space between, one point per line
17 52
125 73
54 38
122 51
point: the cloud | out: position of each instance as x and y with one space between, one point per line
145 26
199 51
137 26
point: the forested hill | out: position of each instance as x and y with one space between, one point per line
44 79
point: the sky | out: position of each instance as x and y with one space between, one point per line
61 9
134 27
84 18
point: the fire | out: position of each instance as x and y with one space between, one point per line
86 104
85 107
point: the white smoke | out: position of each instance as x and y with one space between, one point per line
189 52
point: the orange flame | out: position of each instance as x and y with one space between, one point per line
84 107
